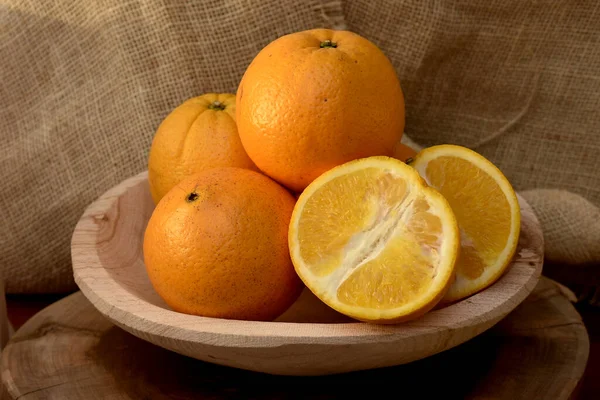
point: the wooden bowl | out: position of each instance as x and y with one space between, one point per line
309 339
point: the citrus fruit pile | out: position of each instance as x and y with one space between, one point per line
300 181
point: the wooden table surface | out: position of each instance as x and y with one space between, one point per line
69 351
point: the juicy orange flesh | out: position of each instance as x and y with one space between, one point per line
377 243
481 209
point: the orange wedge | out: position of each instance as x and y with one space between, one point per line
486 208
372 241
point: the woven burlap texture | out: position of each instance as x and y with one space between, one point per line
84 86
570 225
518 82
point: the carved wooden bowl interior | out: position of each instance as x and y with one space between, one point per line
309 339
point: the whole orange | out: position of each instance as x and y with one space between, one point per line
403 152
312 100
216 246
199 134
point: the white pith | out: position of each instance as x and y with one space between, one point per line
368 243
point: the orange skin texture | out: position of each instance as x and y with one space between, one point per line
193 138
302 109
225 253
403 152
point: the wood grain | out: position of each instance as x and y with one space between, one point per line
309 339
70 351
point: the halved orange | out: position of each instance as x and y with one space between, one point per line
486 208
372 241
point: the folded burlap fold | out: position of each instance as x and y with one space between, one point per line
571 225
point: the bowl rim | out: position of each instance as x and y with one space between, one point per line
144 318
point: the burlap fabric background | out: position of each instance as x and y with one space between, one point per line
517 81
85 84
